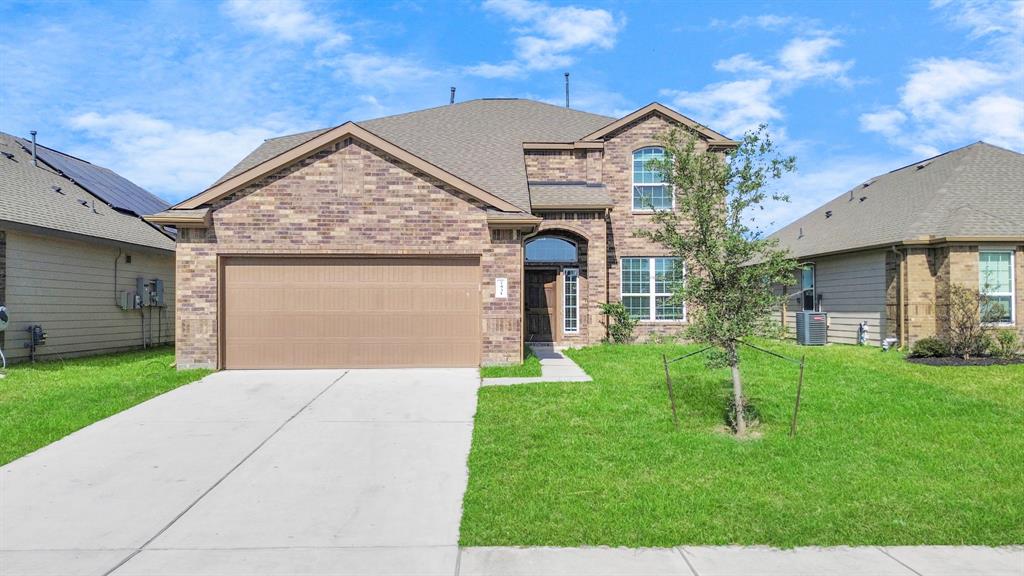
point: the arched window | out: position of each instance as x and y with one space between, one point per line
650 192
550 249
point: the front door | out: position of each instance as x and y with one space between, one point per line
541 309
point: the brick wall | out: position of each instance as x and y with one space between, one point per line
557 165
348 199
929 273
617 171
589 229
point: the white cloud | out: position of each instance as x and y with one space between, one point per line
510 69
172 161
886 121
762 21
731 107
382 70
548 35
289 20
826 179
948 102
735 106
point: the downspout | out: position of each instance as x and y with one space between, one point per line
900 285
117 302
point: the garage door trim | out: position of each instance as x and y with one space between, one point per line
226 259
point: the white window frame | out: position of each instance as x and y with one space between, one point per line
652 312
565 295
1013 285
633 186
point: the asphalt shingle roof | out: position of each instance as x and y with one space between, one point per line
977 190
29 196
480 141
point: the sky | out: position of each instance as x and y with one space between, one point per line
171 94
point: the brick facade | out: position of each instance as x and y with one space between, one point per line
617 171
929 272
348 199
354 199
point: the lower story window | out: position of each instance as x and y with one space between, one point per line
571 301
995 269
648 285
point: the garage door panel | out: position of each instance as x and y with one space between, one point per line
351 312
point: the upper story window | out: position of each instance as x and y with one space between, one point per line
995 268
650 192
550 249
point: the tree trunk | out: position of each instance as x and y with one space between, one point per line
737 391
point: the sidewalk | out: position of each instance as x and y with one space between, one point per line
554 367
744 561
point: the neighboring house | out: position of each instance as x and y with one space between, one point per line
72 243
443 237
887 251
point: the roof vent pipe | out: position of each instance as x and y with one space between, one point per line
33 133
452 99
566 89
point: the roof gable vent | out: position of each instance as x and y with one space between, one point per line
828 213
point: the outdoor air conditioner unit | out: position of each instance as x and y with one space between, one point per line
811 328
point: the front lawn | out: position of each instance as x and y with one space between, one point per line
530 368
43 402
888 452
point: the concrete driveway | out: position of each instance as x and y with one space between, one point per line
268 472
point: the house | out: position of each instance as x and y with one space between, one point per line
886 252
73 248
443 237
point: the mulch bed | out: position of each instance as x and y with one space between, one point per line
974 361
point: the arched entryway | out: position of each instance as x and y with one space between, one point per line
554 263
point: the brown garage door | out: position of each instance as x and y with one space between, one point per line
351 312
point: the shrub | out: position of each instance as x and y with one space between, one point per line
966 331
929 348
1006 344
619 322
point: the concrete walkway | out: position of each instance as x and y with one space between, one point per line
264 472
744 561
554 367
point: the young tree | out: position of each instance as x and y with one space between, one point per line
733 270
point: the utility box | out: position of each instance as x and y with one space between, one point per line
157 295
142 292
811 328
126 299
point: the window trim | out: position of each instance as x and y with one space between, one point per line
652 304
575 246
1013 284
565 295
633 184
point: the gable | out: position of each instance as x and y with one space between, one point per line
326 140
713 138
349 194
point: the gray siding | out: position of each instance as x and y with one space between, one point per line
852 287
67 287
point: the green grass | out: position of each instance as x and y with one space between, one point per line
43 402
887 452
528 369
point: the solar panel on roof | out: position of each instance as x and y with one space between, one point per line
105 184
